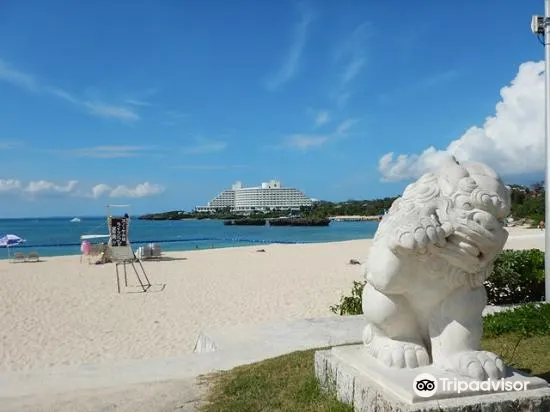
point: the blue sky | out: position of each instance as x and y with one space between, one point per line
162 104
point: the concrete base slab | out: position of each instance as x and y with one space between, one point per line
361 381
303 333
294 335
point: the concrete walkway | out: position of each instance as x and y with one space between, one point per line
182 395
169 384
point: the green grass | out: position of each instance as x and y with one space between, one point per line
531 355
285 383
288 383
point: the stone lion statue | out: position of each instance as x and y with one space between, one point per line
433 250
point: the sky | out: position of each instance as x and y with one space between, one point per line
163 104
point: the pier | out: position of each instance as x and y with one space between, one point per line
356 218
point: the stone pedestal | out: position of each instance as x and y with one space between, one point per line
361 381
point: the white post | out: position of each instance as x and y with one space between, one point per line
547 147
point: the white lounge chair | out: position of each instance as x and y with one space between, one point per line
143 252
18 257
33 257
149 251
155 251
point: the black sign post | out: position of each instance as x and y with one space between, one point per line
121 250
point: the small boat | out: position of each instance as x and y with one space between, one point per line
75 220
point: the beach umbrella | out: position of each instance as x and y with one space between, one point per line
10 240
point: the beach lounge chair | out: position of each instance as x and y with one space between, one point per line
18 257
155 251
151 251
33 257
143 252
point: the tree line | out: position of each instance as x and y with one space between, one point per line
527 203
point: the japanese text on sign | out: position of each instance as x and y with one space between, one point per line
119 232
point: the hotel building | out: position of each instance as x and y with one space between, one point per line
269 196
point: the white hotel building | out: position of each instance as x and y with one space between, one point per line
269 196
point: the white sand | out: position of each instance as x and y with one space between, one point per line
62 312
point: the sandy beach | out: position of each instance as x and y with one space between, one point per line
63 312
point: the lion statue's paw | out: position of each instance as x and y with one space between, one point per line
479 365
394 353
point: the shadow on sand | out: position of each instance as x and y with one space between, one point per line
163 259
29 261
155 288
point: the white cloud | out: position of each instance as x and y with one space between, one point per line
45 187
111 111
292 61
100 189
16 77
111 152
141 190
40 188
9 185
62 94
305 141
511 141
342 99
204 146
350 58
134 102
352 54
210 167
140 99
173 117
27 81
37 187
322 118
344 127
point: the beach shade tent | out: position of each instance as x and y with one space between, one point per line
10 240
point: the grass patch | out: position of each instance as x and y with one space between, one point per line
285 383
288 383
531 355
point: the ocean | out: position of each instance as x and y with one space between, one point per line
59 236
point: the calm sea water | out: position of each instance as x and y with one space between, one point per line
58 236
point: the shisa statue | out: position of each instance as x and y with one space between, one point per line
433 250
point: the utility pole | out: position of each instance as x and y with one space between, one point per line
541 27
